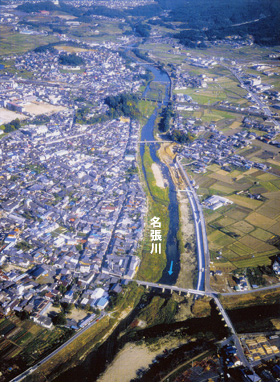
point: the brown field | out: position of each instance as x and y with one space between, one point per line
239 213
240 249
222 187
273 195
256 244
205 182
225 221
71 49
260 220
222 178
245 202
235 125
275 228
261 234
243 226
270 209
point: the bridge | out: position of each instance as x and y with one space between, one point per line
155 142
171 288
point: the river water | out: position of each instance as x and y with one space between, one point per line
172 251
97 361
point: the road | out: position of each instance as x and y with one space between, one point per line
201 235
274 286
265 109
46 359
172 288
235 338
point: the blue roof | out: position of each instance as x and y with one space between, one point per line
102 301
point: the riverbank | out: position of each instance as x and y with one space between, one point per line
77 351
186 234
153 264
134 357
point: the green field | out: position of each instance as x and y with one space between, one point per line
14 42
152 264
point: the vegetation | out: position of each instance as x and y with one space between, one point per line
71 60
11 126
143 30
159 311
181 137
153 264
166 115
123 105
60 319
203 20
49 6
23 245
143 56
81 116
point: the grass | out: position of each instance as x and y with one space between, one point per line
159 311
250 299
14 42
152 265
146 108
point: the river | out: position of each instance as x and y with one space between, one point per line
97 361
172 252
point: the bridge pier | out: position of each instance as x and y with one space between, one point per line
171 291
163 290
147 286
179 293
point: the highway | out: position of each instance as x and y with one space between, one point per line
47 358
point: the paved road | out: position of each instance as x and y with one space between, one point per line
201 235
265 109
46 359
275 286
235 338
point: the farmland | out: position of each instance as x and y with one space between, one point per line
24 342
241 235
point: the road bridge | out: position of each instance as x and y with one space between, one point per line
141 142
171 288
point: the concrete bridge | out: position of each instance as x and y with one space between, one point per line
171 288
155 142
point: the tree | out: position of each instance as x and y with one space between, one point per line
71 60
62 289
60 319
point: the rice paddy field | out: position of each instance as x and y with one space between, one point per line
242 234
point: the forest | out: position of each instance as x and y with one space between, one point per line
123 105
71 60
210 20
201 20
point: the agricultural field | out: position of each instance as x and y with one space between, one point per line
23 342
14 42
244 233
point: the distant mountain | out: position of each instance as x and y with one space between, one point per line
215 19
